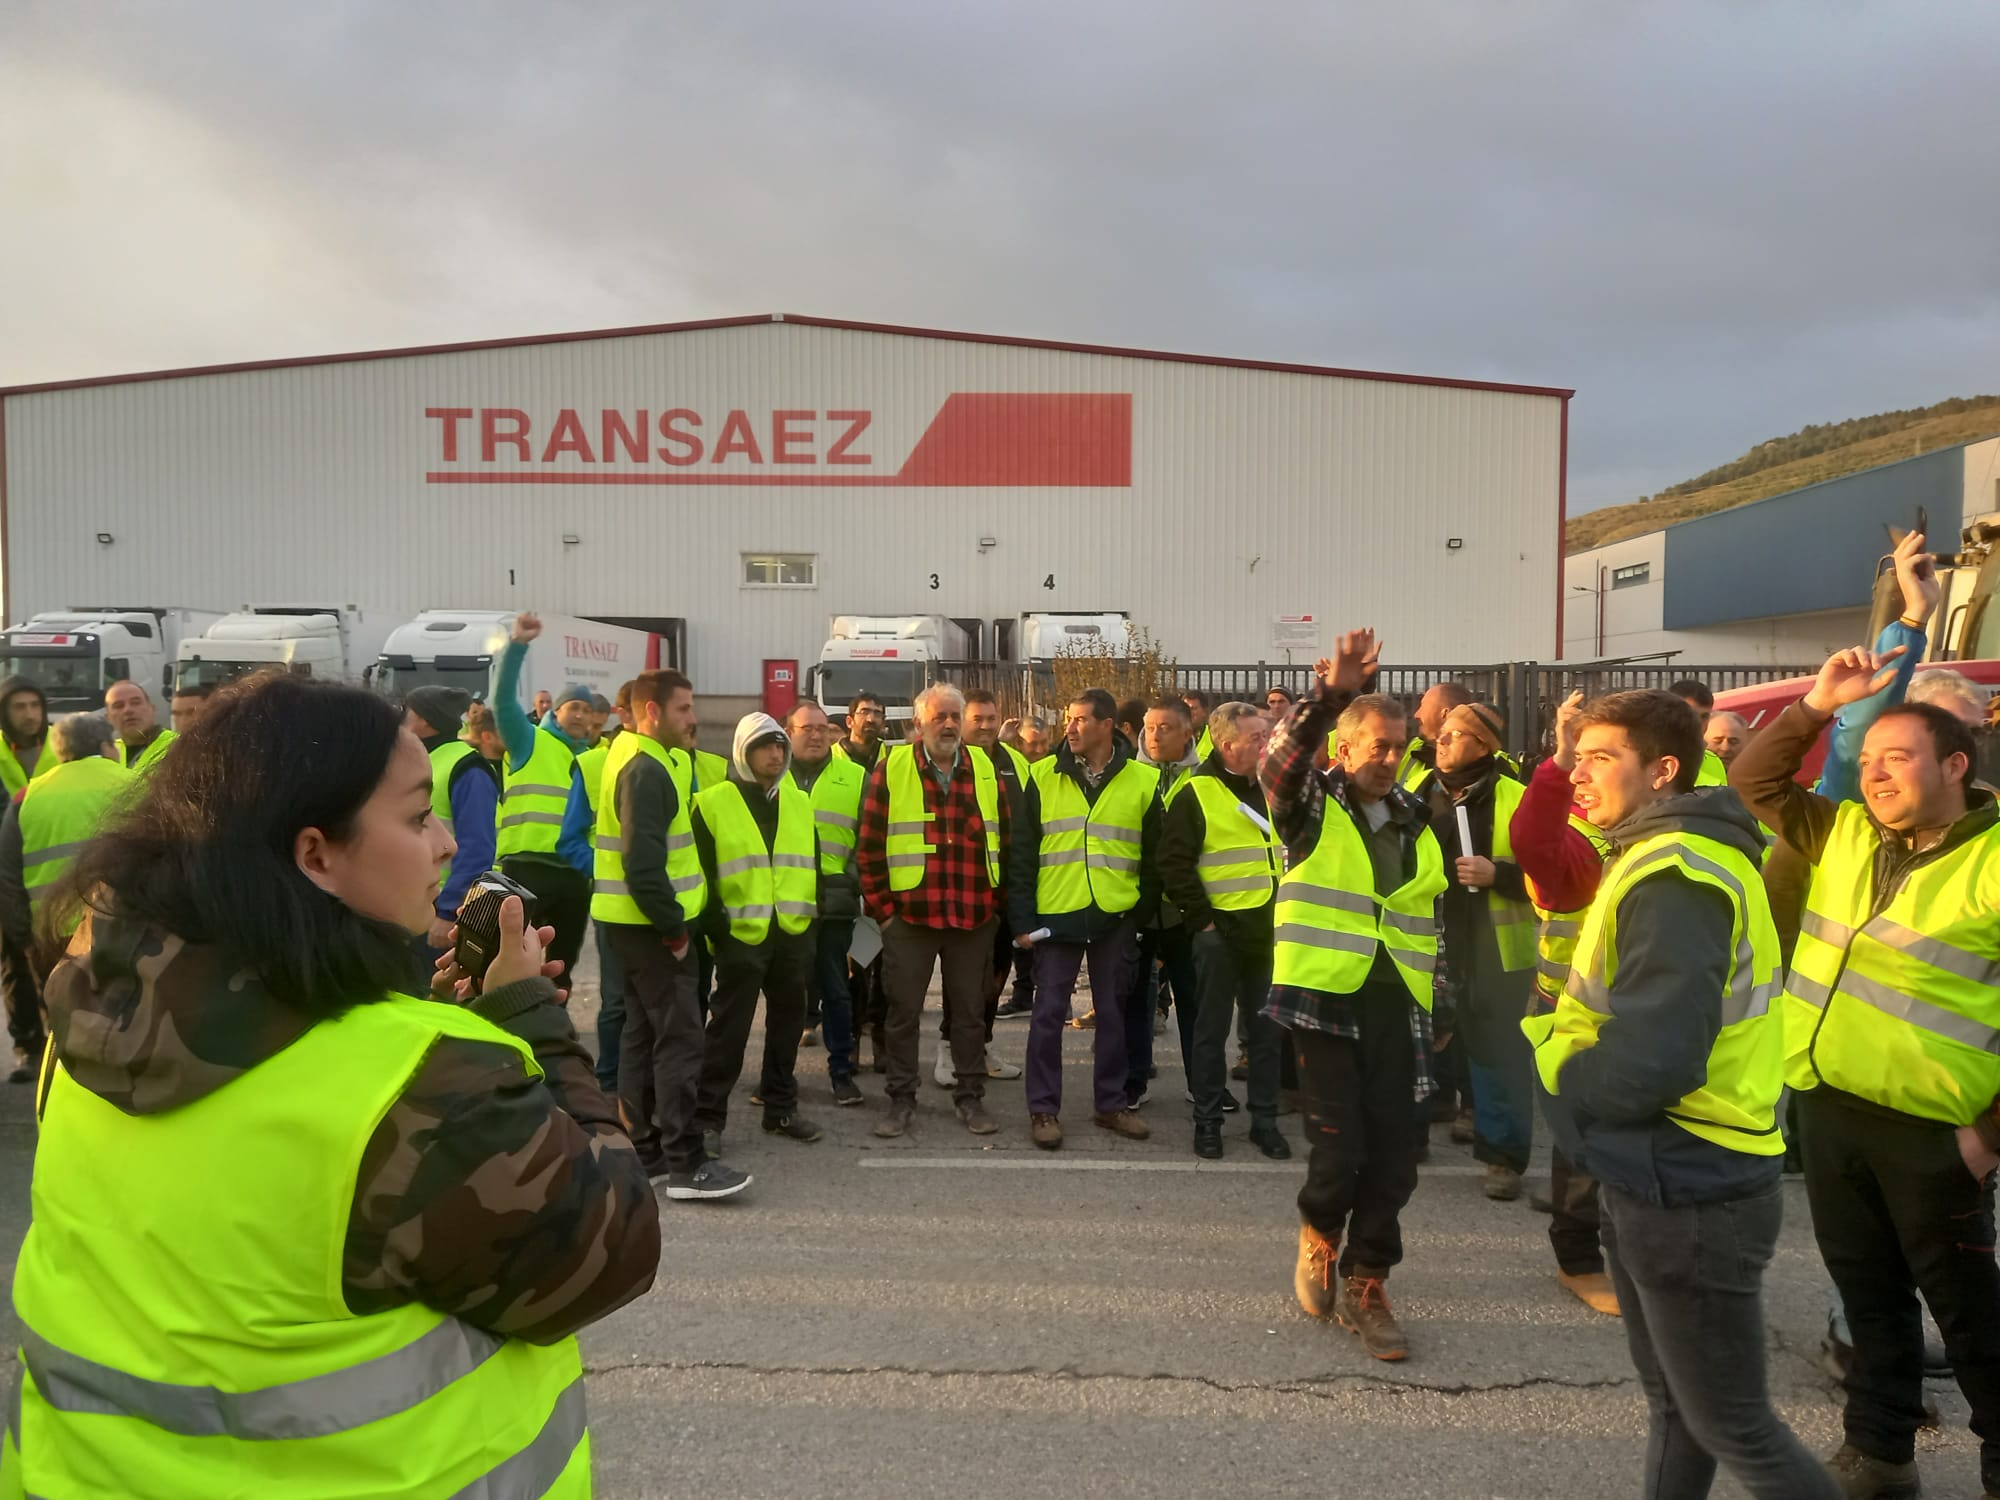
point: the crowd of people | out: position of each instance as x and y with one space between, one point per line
1645 935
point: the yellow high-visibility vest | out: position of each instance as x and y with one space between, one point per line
755 883
1090 850
611 898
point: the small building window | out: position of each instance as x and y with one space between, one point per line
1630 575
780 570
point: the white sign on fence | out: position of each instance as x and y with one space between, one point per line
1294 633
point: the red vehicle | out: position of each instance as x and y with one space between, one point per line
1968 642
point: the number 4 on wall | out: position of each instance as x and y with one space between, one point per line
1049 582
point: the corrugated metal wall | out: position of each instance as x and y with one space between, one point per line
1253 493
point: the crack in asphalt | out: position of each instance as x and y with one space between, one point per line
1317 1386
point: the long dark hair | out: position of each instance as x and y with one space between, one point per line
205 853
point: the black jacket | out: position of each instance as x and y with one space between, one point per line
1673 955
647 805
1024 869
1471 952
1182 832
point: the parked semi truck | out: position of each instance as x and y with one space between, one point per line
891 656
73 655
305 640
458 648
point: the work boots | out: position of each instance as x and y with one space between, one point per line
1362 1306
1312 1278
1863 1478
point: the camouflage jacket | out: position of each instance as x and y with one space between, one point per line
516 1203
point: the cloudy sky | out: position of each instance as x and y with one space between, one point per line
1718 222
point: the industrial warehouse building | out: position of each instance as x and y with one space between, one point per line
753 477
1782 580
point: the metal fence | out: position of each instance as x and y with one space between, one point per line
1527 692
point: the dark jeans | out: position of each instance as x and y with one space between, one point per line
1111 974
1357 1095
1172 949
1003 960
910 955
1690 1284
1503 1106
779 968
660 1051
23 989
1896 1213
610 1011
1574 1231
836 1004
562 901
1229 981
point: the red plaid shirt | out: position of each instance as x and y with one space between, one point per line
955 891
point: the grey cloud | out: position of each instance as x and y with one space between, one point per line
1718 222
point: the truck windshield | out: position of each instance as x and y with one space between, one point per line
395 676
896 683
70 677
215 674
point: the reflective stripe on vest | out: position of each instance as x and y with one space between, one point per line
611 897
907 847
148 757
1239 862
60 813
1090 851
1557 931
1330 921
753 882
1513 921
1736 1106
1899 1006
590 766
836 805
444 760
12 777
532 799
142 1362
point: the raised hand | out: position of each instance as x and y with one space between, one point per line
1916 574
1567 713
1851 675
527 625
1354 659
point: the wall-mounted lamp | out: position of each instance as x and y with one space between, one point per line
105 539
570 538
1453 543
988 543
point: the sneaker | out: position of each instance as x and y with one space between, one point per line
998 1067
944 1075
1125 1123
846 1091
811 1037
1503 1184
1085 1022
1863 1478
1312 1278
1271 1141
1208 1141
972 1114
1011 1010
895 1120
1593 1289
1462 1129
1362 1306
1229 1103
1138 1100
792 1128
711 1144
1045 1131
709 1180
757 1097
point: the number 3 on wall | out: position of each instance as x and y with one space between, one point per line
1049 582
934 580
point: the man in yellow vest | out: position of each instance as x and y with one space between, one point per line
931 855
579 828
649 891
1892 1035
534 796
1488 935
141 738
1700 697
1219 864
754 833
862 746
1199 704
1352 975
1662 1065
465 794
24 732
833 784
982 731
1166 941
39 836
1562 860
1084 880
1420 756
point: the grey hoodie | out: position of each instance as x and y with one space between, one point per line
1673 956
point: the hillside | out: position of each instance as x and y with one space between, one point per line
1822 451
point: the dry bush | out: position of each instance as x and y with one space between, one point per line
1144 671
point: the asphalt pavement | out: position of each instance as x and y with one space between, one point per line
943 1314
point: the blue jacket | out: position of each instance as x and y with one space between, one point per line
475 802
1840 777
